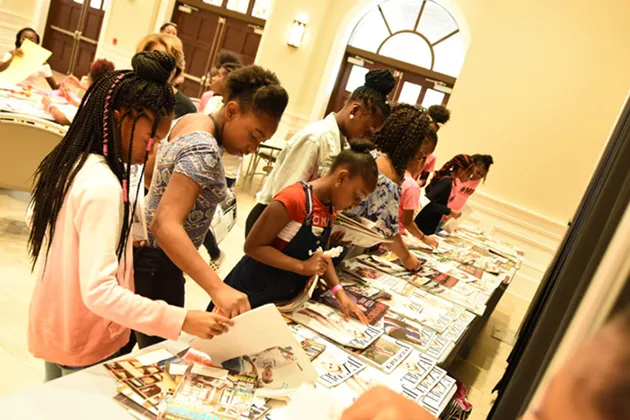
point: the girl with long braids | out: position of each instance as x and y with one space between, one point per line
441 190
189 182
83 303
406 135
309 153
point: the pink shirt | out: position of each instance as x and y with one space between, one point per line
409 199
429 166
83 302
461 192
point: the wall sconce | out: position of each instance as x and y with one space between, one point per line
297 32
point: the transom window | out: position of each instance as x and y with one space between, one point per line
422 33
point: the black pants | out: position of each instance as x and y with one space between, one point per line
157 278
210 242
253 216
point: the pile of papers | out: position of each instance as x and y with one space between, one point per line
358 231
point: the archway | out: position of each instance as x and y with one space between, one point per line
364 13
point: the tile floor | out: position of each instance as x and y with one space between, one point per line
480 371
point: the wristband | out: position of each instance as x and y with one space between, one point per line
336 289
48 107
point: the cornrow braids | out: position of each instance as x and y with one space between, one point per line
373 94
95 130
457 163
402 135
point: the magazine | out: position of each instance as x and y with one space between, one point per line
372 309
381 264
439 348
134 409
408 375
472 270
360 233
386 353
333 365
330 323
299 300
370 292
439 393
374 277
312 348
261 344
405 330
207 392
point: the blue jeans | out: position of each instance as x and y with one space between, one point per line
56 371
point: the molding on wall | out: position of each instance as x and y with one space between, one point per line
10 24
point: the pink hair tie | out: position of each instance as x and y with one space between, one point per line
336 289
150 144
125 192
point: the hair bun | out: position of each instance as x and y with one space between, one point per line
381 80
361 145
155 66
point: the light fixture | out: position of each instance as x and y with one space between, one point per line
297 32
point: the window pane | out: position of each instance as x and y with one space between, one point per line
401 14
217 3
435 22
432 97
357 78
78 1
261 9
238 5
370 32
409 93
408 47
95 4
449 56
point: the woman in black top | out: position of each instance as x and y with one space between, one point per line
458 169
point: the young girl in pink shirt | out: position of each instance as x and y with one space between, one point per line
84 303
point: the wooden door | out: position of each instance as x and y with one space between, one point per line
72 32
205 34
416 89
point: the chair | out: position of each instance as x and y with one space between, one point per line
266 153
26 141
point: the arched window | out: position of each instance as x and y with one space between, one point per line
421 33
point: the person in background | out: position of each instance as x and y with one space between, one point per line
169 28
593 384
44 71
310 152
183 199
83 302
171 45
410 198
281 253
223 59
481 166
440 116
406 135
441 191
231 163
64 114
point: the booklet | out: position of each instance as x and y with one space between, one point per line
333 365
261 344
211 393
373 310
330 323
359 231
386 353
381 264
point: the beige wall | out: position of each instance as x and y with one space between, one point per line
540 89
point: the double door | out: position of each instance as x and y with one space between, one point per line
72 32
411 88
206 34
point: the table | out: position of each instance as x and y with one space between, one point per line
87 394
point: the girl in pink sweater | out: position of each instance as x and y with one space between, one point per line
84 303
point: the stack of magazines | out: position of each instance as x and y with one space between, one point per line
358 231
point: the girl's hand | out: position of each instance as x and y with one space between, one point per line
411 263
316 265
17 53
336 239
381 403
230 301
205 324
455 214
431 241
46 100
348 307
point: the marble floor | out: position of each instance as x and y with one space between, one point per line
480 371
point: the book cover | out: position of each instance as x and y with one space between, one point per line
372 309
261 343
330 323
211 393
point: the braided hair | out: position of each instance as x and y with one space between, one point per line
457 164
18 37
373 94
402 135
94 130
358 161
259 89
